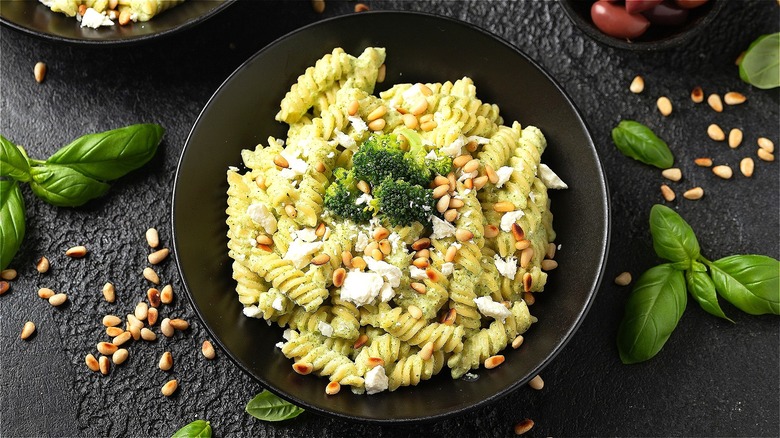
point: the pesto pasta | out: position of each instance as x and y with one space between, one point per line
97 13
392 235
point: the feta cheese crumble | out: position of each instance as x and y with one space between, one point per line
504 173
442 228
365 198
376 380
344 140
361 243
391 273
253 312
492 309
361 288
508 267
325 328
510 218
277 304
260 214
417 273
295 168
447 268
94 19
358 124
299 250
550 179
453 149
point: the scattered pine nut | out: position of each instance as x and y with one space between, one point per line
153 295
715 132
114 331
361 7
58 299
415 312
624 279
282 162
766 144
637 85
109 292
471 166
734 98
39 71
104 364
320 259
152 237
449 317
377 125
45 293
42 266
120 356
148 335
550 253
359 263
353 107
375 362
451 215
133 321
463 235
158 256
27 330
494 361
303 368
291 211
443 204
667 193
529 298
338 277
92 362
735 138
697 95
76 252
320 167
694 193
111 320
361 341
141 310
517 342
166 296
503 206
378 112
480 182
4 287
179 324
528 280
765 155
522 244
166 328
672 174
106 348
524 426
410 121
150 275
169 388
333 388
525 257
703 162
135 331
208 350
664 105
427 351
166 361
121 338
491 231
746 166
8 274
723 171
418 287
152 316
536 383
713 100
549 265
517 232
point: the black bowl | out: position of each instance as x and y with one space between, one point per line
656 37
32 17
241 115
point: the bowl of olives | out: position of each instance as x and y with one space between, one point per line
644 25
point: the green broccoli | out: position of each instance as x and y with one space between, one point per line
380 157
402 203
417 158
341 197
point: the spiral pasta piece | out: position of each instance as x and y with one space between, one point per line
412 369
419 332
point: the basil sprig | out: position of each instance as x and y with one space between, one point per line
639 142
760 66
750 282
196 429
268 407
75 174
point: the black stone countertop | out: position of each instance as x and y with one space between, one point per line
712 377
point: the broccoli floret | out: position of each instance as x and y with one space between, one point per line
341 197
402 203
417 157
439 166
380 157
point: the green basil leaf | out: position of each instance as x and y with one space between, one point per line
673 238
749 282
760 66
12 162
196 429
65 187
109 155
12 225
637 141
653 310
268 407
702 289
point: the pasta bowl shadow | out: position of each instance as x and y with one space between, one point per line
240 115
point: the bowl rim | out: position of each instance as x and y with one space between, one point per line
648 46
569 334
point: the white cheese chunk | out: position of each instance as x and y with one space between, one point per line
344 140
277 304
361 242
386 293
453 149
361 288
550 179
306 234
492 309
325 328
253 312
94 19
376 380
441 229
391 273
510 218
508 267
447 268
417 273
358 124
365 198
260 214
504 173
299 250
295 168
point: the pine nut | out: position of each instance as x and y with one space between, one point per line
346 258
503 206
378 112
39 71
549 265
179 324
715 133
76 252
148 335
158 256
517 342
303 368
471 166
260 181
536 383
415 312
150 275
152 316
377 125
166 328
106 348
491 231
113 332
524 426
449 317
320 230
766 144
421 262
109 292
361 341
141 310
443 204
525 257
624 279
291 211
133 321
480 182
664 105
421 244
735 138
382 72
428 126
104 364
362 7
672 174
333 388
528 281
45 293
92 362
120 356
410 121
418 287
58 299
494 361
42 266
427 351
697 95
667 193
746 166
8 274
463 235
723 171
282 162
637 85
320 167
472 146
451 253
453 181
338 277
529 298
517 232
152 237
461 161
370 247
456 203
550 253
694 193
764 155
121 338
734 98
153 295
27 330
208 350
166 361
522 244
320 259
440 191
375 362
491 174
381 233
166 296
353 107
135 331
703 162
124 17
713 100
385 247
419 108
111 321
169 388
451 215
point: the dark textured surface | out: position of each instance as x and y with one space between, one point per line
711 378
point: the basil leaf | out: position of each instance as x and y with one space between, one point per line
637 141
760 66
652 312
64 187
268 407
12 162
196 429
109 155
749 282
702 288
673 238
12 225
